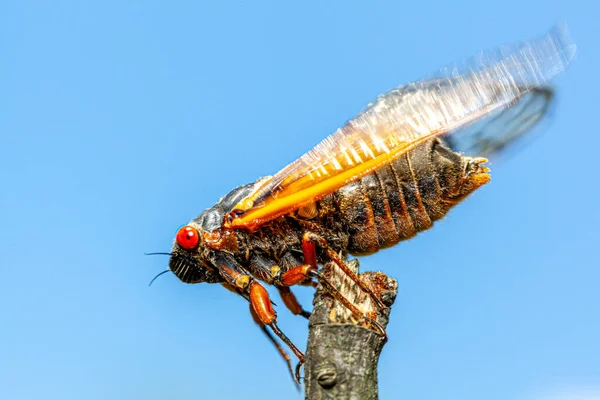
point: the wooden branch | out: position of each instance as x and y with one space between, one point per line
342 354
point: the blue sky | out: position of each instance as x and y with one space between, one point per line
120 121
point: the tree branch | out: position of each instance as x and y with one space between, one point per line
342 354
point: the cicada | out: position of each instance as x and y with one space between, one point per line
387 174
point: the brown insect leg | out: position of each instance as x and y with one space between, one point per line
302 272
311 237
353 309
261 303
280 349
291 302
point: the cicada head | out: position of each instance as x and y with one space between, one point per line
197 244
189 258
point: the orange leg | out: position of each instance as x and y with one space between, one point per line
263 313
262 307
280 349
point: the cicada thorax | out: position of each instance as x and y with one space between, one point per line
274 248
406 196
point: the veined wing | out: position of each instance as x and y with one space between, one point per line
402 119
503 127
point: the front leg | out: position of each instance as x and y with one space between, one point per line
263 308
272 339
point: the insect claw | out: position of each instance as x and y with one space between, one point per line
378 302
380 328
297 377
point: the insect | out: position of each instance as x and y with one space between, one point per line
384 176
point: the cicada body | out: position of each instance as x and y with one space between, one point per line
392 204
384 176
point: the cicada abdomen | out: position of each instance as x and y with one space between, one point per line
406 196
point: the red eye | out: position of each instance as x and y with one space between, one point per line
187 237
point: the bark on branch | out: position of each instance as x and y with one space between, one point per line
342 355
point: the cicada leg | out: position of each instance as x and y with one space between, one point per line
291 302
308 241
303 272
280 349
263 311
309 270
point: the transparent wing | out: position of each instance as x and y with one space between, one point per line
406 117
492 134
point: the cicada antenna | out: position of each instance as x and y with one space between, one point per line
159 274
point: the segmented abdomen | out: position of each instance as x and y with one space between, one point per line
398 200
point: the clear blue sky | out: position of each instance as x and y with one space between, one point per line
122 120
